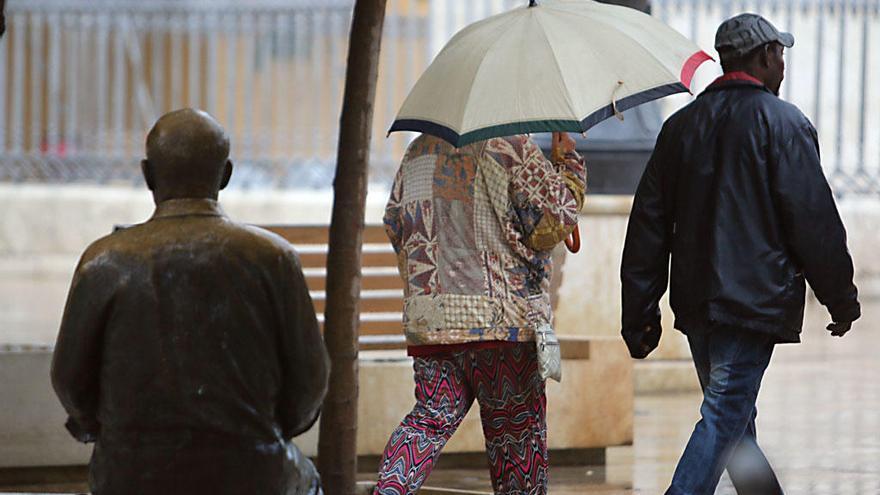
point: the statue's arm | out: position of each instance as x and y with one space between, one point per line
76 362
304 360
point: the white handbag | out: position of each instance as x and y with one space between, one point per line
549 355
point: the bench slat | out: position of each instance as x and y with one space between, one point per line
381 342
378 328
319 260
320 234
383 282
372 301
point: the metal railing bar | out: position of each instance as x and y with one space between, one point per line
134 38
71 78
36 62
267 85
298 61
318 85
250 50
281 86
101 66
337 55
788 87
194 58
17 124
392 38
119 82
863 93
157 60
176 25
230 28
54 100
4 50
211 71
841 85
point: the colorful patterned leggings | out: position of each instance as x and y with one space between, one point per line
510 392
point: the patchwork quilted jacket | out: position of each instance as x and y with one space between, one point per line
473 228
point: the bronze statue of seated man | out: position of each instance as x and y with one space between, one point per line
189 351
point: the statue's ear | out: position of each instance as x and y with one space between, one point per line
227 174
149 178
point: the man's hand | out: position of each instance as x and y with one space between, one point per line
839 329
562 144
641 342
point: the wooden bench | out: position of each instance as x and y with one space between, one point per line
381 303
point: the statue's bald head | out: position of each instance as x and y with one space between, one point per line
187 156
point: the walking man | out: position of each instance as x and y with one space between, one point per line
189 351
473 228
735 193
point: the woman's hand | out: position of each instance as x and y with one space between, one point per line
562 144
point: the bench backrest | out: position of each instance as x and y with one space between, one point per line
381 303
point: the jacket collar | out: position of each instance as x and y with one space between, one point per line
736 79
186 207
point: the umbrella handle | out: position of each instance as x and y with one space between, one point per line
573 241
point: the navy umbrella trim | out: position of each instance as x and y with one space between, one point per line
459 140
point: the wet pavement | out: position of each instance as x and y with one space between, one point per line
818 423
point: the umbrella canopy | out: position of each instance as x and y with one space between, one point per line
559 65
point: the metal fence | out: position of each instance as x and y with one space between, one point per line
832 74
85 79
81 81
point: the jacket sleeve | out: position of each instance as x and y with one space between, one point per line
644 271
813 229
546 197
305 365
76 362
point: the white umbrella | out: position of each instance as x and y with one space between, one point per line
555 65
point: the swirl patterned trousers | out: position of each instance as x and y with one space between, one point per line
510 393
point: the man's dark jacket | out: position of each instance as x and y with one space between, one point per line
734 191
190 352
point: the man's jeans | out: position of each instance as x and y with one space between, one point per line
730 363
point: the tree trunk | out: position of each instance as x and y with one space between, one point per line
337 444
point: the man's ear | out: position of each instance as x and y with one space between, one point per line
149 178
227 174
766 57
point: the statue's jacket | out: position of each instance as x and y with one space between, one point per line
189 351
